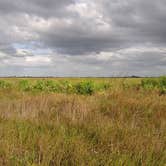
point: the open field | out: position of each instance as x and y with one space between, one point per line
92 121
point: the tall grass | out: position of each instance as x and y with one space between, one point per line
120 126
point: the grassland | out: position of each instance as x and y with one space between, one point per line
96 122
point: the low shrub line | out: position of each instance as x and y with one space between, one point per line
83 88
86 87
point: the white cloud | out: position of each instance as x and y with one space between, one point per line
2 55
38 60
104 56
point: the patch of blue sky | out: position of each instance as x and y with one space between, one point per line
33 47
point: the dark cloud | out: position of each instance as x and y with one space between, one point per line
41 8
131 23
140 21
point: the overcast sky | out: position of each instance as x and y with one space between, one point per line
82 37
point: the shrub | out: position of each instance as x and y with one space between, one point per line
162 82
66 87
159 84
85 88
4 84
25 85
40 85
149 83
51 86
162 85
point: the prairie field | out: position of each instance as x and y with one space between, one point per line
83 121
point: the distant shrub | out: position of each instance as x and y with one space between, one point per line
162 85
51 86
85 88
25 85
63 86
155 83
66 87
162 82
40 85
4 84
149 83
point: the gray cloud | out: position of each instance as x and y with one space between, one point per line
43 8
76 37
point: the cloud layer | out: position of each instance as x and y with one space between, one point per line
82 38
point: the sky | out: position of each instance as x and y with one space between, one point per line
99 38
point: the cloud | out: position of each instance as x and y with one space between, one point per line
81 37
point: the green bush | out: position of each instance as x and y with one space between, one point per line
51 86
149 83
85 88
162 82
39 86
63 86
162 85
155 83
4 84
25 85
66 87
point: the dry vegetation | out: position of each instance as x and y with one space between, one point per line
122 125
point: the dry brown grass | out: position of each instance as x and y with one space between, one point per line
117 127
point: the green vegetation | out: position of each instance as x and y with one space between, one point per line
150 84
115 122
25 85
4 84
86 87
